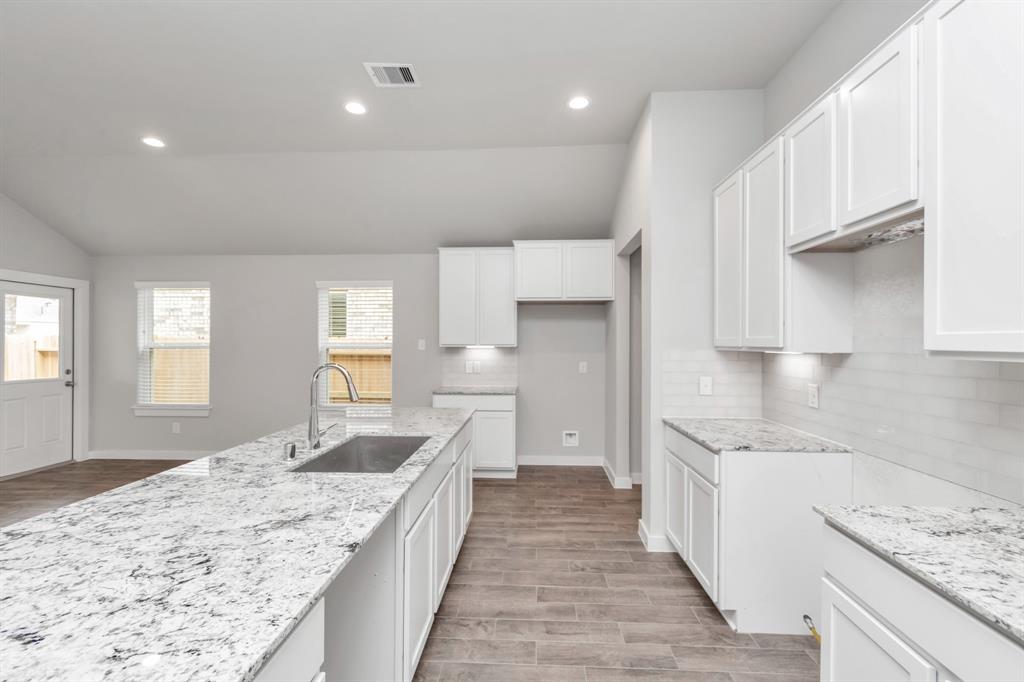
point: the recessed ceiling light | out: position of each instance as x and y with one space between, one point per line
153 142
357 108
579 102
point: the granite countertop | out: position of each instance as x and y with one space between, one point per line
758 435
476 390
972 556
201 571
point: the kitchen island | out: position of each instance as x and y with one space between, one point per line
203 571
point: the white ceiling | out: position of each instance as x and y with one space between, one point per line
262 158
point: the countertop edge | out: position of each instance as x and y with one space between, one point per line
840 448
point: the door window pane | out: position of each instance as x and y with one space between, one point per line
31 337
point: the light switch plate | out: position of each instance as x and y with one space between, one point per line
175 427
421 344
570 439
469 366
705 386
583 367
476 366
812 395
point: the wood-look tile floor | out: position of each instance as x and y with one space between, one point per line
553 584
33 494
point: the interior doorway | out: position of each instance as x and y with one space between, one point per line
36 376
636 359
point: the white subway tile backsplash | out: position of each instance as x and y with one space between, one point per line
737 383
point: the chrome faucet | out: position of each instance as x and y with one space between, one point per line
314 411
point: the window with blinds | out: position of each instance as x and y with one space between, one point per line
173 344
356 331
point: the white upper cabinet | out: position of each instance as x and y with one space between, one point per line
477 302
728 204
973 96
580 270
811 173
762 248
878 131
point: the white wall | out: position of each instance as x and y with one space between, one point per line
636 363
29 245
850 31
957 420
263 340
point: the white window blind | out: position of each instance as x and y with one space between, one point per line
173 343
356 331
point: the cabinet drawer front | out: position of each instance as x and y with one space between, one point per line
698 458
476 402
422 491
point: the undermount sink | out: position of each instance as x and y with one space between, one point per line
366 455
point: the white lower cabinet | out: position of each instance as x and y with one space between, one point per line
675 518
701 503
494 431
300 657
419 567
444 537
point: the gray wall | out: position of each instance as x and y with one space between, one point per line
29 245
850 31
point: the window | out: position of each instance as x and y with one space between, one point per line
174 348
355 330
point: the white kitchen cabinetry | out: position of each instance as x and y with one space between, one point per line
878 131
810 148
445 538
579 270
744 524
728 205
476 304
299 657
879 623
973 96
494 432
419 569
762 247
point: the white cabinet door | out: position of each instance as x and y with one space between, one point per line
675 495
458 504
467 508
444 540
538 270
457 297
590 269
811 173
857 647
419 587
701 519
496 320
728 204
973 89
878 131
494 440
762 248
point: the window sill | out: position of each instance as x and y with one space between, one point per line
171 410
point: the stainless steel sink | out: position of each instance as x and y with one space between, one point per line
366 455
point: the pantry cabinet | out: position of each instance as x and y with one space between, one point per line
762 247
974 140
878 131
810 183
476 297
578 270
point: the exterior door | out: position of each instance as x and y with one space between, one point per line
36 377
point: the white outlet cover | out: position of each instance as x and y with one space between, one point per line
584 368
175 427
812 396
421 344
469 366
705 386
570 439
476 366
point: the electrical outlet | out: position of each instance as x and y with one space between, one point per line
476 366
469 366
705 386
812 395
175 427
570 439
584 368
421 344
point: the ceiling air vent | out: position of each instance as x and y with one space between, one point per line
386 75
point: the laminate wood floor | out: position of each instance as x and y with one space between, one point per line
553 584
33 494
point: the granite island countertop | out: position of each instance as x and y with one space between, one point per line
476 390
201 571
756 435
972 556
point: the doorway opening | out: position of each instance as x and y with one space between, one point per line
635 364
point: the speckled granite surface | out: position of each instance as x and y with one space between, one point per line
476 390
972 556
757 435
197 573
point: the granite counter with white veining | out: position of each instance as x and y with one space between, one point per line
201 571
756 435
972 556
476 390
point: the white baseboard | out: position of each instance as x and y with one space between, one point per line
148 454
654 543
560 460
494 473
620 482
638 478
